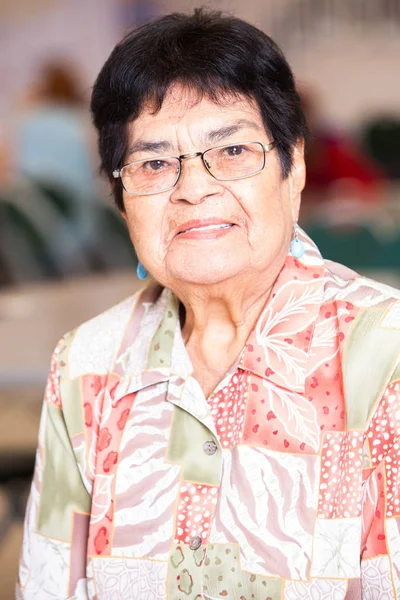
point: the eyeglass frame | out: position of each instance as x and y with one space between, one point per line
117 173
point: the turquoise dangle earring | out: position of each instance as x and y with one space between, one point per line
141 271
296 247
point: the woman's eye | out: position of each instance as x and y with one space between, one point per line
234 150
154 165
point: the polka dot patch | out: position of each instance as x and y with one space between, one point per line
341 475
196 508
385 425
392 470
373 541
324 390
228 408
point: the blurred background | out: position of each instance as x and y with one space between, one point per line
64 251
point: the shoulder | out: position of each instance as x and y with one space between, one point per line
368 320
344 284
93 345
368 328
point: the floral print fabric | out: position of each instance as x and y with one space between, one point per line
283 484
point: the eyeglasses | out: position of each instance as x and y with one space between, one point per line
162 173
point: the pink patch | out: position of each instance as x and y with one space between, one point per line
101 540
341 465
111 460
88 414
98 384
123 419
228 407
373 542
195 500
104 439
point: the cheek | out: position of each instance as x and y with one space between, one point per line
145 225
265 203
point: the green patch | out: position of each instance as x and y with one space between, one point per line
184 574
62 488
370 356
216 568
62 358
162 342
186 448
72 405
224 578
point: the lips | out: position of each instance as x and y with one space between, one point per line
204 225
208 228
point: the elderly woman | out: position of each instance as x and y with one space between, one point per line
231 431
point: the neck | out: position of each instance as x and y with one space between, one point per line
223 316
219 318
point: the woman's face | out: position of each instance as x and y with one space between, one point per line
205 231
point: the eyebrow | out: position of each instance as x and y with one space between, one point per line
142 146
216 135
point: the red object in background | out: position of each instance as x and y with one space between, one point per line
330 159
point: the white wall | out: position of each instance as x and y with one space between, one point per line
356 69
83 31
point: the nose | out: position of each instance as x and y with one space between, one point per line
195 183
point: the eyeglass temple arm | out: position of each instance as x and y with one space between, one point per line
270 146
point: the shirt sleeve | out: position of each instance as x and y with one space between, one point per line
53 555
380 537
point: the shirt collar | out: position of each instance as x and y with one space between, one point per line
278 347
276 350
145 353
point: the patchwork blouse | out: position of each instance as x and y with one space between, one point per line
283 484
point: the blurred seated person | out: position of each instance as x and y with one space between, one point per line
53 146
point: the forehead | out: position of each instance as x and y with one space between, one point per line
187 109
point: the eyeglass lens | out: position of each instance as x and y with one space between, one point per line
233 161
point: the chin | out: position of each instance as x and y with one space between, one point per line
204 271
203 278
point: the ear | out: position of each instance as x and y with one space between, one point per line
297 178
121 211
123 214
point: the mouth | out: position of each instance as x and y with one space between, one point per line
212 227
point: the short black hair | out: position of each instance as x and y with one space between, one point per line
214 54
